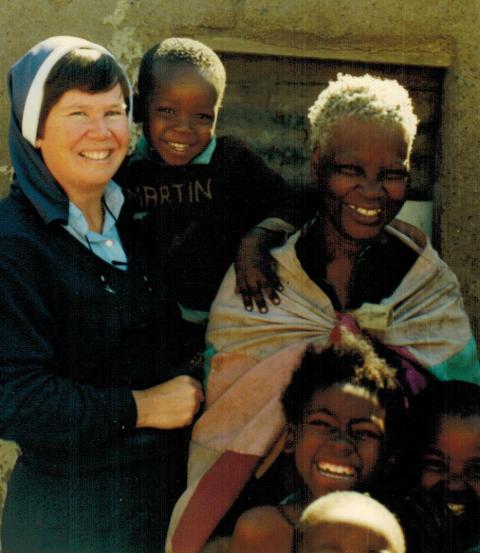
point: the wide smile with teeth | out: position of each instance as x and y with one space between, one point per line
340 472
178 146
364 211
96 155
456 508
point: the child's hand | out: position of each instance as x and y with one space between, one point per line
172 404
255 268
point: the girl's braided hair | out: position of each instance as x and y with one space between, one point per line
356 360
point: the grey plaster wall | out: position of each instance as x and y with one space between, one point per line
423 32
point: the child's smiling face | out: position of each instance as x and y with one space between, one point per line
338 445
180 114
366 181
451 465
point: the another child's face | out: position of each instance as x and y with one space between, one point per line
180 114
367 181
451 465
342 538
339 443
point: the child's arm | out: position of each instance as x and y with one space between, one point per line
255 268
267 201
261 197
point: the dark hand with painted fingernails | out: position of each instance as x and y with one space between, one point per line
257 280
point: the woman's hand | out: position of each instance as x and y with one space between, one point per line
255 268
172 404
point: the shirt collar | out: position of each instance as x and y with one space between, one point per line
113 199
144 151
205 156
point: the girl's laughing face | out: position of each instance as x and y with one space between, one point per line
339 443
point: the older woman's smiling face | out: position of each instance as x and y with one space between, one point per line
366 176
85 139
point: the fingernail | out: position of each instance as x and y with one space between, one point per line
263 309
275 301
248 307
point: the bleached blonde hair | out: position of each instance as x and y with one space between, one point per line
367 98
355 509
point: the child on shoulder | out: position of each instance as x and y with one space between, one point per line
343 409
202 192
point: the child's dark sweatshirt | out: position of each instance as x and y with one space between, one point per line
199 212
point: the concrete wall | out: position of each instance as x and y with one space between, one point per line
442 33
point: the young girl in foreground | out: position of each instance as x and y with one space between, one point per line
340 407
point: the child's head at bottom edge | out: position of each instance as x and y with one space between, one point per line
181 85
349 522
343 409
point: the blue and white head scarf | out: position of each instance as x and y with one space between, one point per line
26 82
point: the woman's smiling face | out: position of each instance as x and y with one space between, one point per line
338 445
364 176
85 139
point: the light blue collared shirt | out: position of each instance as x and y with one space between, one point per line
107 244
205 156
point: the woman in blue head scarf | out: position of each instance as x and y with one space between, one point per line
94 384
